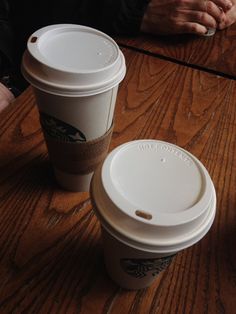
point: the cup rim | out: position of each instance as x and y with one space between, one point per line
155 247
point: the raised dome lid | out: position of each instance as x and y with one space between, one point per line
74 58
157 178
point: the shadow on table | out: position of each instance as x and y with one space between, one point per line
225 248
50 248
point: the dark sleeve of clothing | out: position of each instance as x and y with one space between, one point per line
6 38
115 17
9 70
122 17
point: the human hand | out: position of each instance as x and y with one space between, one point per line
184 16
229 17
6 97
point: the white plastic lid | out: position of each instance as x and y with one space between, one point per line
72 60
154 193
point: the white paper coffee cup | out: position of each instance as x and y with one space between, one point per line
153 199
75 71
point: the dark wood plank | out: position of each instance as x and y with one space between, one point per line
216 53
50 247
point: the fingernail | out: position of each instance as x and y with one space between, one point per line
229 4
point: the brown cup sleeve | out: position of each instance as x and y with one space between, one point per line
78 157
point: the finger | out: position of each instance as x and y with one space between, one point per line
202 5
224 4
198 17
192 28
230 18
215 11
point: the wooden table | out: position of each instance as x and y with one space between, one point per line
50 247
214 54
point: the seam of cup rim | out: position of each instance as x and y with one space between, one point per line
211 203
170 248
73 91
77 72
117 78
196 234
148 222
48 83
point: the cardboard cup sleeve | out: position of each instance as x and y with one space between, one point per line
78 157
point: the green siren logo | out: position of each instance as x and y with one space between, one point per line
60 130
140 268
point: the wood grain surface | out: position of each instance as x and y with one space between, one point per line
216 53
50 248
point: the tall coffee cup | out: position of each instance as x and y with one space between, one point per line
153 199
75 72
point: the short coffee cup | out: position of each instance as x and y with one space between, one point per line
153 199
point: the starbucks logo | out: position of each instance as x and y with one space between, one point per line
60 130
140 268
